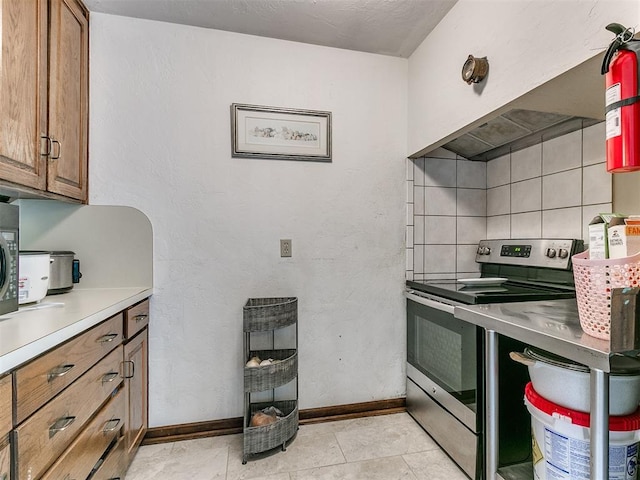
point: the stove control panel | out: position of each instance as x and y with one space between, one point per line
549 253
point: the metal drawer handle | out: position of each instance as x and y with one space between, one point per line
59 371
109 337
45 154
68 477
112 478
132 369
56 156
60 425
109 377
111 425
141 317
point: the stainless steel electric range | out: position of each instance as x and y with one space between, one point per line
446 372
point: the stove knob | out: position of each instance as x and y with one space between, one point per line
480 250
487 250
563 253
551 252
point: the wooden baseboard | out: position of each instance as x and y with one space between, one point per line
213 428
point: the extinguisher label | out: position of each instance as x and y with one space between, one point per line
612 119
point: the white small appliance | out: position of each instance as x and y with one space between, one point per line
33 278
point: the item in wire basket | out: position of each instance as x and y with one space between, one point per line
266 416
253 362
260 419
268 361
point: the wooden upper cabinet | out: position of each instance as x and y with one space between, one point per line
23 91
44 96
68 99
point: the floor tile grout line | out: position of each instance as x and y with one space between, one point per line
413 472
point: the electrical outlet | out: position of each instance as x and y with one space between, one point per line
285 247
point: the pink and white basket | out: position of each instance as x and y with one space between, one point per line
595 279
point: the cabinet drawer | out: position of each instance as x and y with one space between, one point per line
45 435
5 405
40 380
136 318
88 447
5 459
114 466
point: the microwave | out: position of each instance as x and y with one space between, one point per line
9 243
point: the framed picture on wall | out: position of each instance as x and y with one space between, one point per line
280 133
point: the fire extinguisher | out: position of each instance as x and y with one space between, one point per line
622 100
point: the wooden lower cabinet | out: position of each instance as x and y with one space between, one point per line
114 466
5 405
44 436
79 410
5 460
88 447
136 386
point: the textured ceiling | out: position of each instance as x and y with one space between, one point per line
388 27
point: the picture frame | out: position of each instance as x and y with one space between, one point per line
280 133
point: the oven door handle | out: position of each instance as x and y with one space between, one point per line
431 303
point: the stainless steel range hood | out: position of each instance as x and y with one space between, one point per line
512 131
569 102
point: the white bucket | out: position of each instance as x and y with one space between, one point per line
561 442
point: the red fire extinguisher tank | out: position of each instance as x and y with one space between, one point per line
623 122
622 101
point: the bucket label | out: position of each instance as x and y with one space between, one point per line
568 458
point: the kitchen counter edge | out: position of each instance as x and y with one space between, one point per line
552 325
29 333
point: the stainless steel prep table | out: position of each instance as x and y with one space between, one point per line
553 326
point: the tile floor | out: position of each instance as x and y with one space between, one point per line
387 447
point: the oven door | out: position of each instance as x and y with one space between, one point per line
442 357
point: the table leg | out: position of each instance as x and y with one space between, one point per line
491 404
599 394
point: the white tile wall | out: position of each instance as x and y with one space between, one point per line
526 225
439 173
562 222
562 189
466 259
472 202
551 189
593 144
470 230
440 201
439 258
440 230
596 185
499 226
499 171
526 196
562 153
471 174
527 163
499 200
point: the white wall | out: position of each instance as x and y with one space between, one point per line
108 258
527 42
160 142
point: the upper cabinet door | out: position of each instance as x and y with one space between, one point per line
68 99
23 91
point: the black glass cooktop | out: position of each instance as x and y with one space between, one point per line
510 291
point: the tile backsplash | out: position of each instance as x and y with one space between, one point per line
552 189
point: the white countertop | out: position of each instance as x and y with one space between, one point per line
31 331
